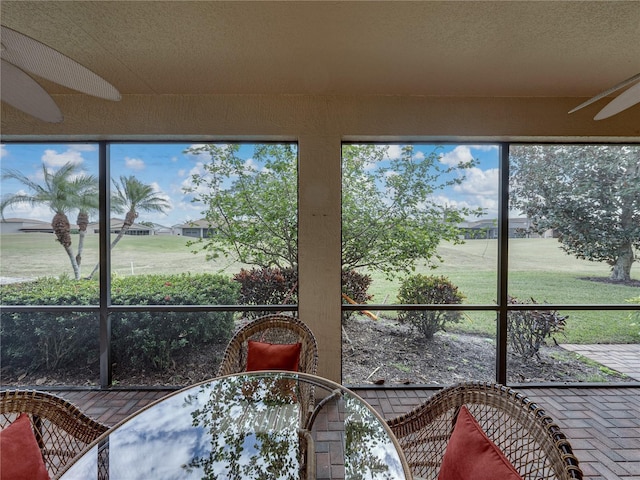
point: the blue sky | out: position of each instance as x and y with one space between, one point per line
168 170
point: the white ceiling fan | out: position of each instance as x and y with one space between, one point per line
626 99
21 54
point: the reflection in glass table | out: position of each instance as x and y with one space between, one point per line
249 426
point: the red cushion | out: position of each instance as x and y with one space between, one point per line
471 454
20 457
270 356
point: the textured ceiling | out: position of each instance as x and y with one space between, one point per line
463 48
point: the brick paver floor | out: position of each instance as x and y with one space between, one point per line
602 423
623 358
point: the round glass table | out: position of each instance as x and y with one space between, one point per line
256 425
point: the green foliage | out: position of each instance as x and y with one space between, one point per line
39 340
527 330
589 195
252 207
153 338
390 218
426 290
355 285
34 340
279 286
267 286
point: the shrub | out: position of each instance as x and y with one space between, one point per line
528 329
267 286
426 290
153 338
355 286
49 340
276 286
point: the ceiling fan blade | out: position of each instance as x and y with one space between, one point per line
608 92
626 99
39 59
22 92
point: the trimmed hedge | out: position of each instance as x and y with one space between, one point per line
39 340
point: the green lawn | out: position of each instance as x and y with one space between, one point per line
538 269
38 254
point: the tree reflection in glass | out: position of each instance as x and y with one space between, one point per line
369 452
252 426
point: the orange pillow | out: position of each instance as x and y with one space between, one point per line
20 456
273 356
471 454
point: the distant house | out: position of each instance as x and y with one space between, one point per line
195 229
25 225
116 226
162 229
488 228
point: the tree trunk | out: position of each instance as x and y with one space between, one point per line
621 271
74 264
83 222
62 231
128 221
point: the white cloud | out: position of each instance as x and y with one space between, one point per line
394 152
187 183
480 189
462 153
479 182
251 166
51 158
134 163
190 206
3 151
160 193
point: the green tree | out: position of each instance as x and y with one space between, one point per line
63 191
389 217
252 209
132 196
589 195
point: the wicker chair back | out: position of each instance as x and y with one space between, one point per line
529 438
61 429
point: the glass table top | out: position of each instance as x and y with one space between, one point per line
257 425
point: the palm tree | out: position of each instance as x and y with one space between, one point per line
87 203
63 191
132 196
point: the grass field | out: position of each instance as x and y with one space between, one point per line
538 268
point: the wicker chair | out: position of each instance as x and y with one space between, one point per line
276 328
528 437
61 429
